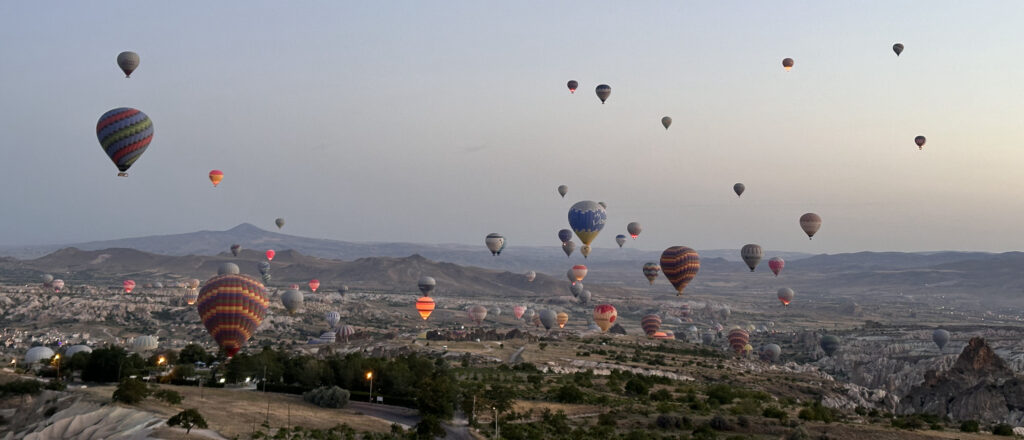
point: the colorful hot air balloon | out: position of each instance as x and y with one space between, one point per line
604 316
680 265
752 255
561 319
128 61
940 337
270 254
830 344
495 243
787 64
634 229
426 285
292 300
562 190
586 219
216 176
810 223
332 318
920 140
477 314
232 308
568 247
738 339
314 284
58 285
650 323
651 270
776 264
898 48
235 249
530 276
572 84
564 235
547 318
786 295
603 91
425 306
191 295
579 272
345 332
620 239
666 121
128 286
518 311
124 133
738 189
279 222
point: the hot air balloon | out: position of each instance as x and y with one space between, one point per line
786 295
128 286
517 311
603 91
279 222
830 344
47 280
562 190
650 323
683 311
666 121
571 276
144 343
579 272
776 264
604 316
235 249
752 255
603 205
787 64
940 337
270 254
128 61
193 283
263 267
232 308
620 239
328 337
738 189
228 268
477 314
920 140
810 223
495 243
651 270
568 247
561 319
342 290
585 297
738 339
529 314
680 265
314 284
564 235
530 276
292 300
216 176
898 48
345 332
425 306
58 285
191 295
634 229
266 278
426 285
586 219
576 289
548 318
572 84
707 338
124 133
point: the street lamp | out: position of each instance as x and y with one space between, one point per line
369 377
497 434
56 358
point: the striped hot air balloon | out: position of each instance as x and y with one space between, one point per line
738 339
128 285
680 265
776 264
191 295
477 314
332 318
345 332
561 319
579 272
124 133
651 270
518 311
425 306
650 323
232 307
604 316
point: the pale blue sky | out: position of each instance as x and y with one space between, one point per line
444 121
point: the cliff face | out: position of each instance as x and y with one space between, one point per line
979 386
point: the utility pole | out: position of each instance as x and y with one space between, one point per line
267 419
497 433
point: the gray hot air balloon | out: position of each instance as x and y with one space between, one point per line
666 121
810 223
235 249
787 64
707 338
738 189
263 267
266 278
228 269
528 315
496 311
786 295
603 205
144 343
47 279
128 61
620 239
752 255
920 140
568 247
634 229
495 243
576 289
36 354
940 337
563 190
477 314
572 84
292 300
603 91
342 290
898 48
770 353
585 297
279 222
531 275
426 285
332 318
75 349
547 318
830 344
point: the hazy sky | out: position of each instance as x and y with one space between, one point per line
443 121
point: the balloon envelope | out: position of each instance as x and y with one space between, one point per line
292 300
332 318
620 239
518 311
232 308
650 323
495 243
752 255
547 318
634 229
564 235
561 319
128 61
530 276
810 223
787 63
920 140
572 84
562 190
235 249
314 284
124 134
603 92
270 254
940 337
830 344
785 295
776 264
666 121
279 222
426 285
579 272
128 285
216 176
738 189
228 268
586 219
738 339
898 48
425 306
477 314
651 270
568 247
680 265
604 316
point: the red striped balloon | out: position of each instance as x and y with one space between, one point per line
425 306
651 324
232 306
680 265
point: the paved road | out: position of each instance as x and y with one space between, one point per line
409 417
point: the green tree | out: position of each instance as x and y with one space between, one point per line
188 419
193 353
131 391
170 396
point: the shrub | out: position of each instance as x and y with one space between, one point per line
569 393
721 394
1002 429
636 387
970 426
774 412
21 386
662 395
56 385
170 396
743 421
607 419
719 423
800 433
910 422
188 419
327 397
666 421
131 391
817 412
